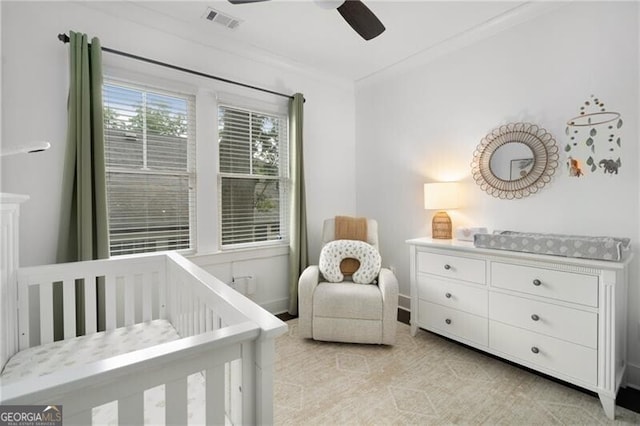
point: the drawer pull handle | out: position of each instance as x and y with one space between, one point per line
447 267
535 350
448 321
447 295
537 282
535 317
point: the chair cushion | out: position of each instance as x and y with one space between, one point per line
347 300
335 251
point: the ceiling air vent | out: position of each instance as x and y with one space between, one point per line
221 18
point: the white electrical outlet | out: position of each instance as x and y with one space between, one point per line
251 286
241 287
244 285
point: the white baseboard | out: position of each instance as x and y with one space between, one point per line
404 302
633 376
277 306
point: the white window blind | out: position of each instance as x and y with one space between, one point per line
253 184
150 165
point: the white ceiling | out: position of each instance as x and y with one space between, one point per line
302 34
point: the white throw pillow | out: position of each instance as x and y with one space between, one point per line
335 251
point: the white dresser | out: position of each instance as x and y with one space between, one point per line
562 316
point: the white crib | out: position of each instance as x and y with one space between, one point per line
222 334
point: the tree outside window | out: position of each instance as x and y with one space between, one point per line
150 145
253 169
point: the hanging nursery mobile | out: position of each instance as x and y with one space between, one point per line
594 142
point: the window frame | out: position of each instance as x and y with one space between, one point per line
208 95
192 168
261 108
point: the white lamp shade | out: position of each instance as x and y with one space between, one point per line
441 195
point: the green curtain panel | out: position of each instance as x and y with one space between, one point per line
83 225
298 247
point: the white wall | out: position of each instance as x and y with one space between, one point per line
421 122
34 89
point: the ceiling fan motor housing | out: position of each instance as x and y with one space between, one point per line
329 4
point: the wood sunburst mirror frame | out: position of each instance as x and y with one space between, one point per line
544 154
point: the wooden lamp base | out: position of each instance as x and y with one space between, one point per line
441 226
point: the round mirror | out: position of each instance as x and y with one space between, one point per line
511 161
515 160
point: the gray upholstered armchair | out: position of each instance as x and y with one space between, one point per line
346 311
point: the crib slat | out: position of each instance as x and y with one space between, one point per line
176 308
182 310
202 310
248 383
147 297
131 409
155 298
214 395
184 323
90 316
176 402
196 316
191 311
193 316
46 313
110 302
129 300
162 297
23 312
69 307
209 319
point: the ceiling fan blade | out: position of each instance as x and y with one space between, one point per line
361 19
245 1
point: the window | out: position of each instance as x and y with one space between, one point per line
253 184
150 167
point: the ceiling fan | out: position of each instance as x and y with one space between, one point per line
359 16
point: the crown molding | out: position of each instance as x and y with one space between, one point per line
511 18
131 11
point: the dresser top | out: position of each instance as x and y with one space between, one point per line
468 247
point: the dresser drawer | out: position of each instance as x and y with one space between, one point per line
467 298
460 324
568 324
552 354
455 267
560 285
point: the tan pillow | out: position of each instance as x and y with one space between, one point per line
350 228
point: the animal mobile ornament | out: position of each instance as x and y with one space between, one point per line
594 139
574 167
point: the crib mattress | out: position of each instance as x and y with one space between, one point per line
45 359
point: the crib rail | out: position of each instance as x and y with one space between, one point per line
223 333
134 291
125 378
235 306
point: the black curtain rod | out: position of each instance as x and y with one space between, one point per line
65 39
